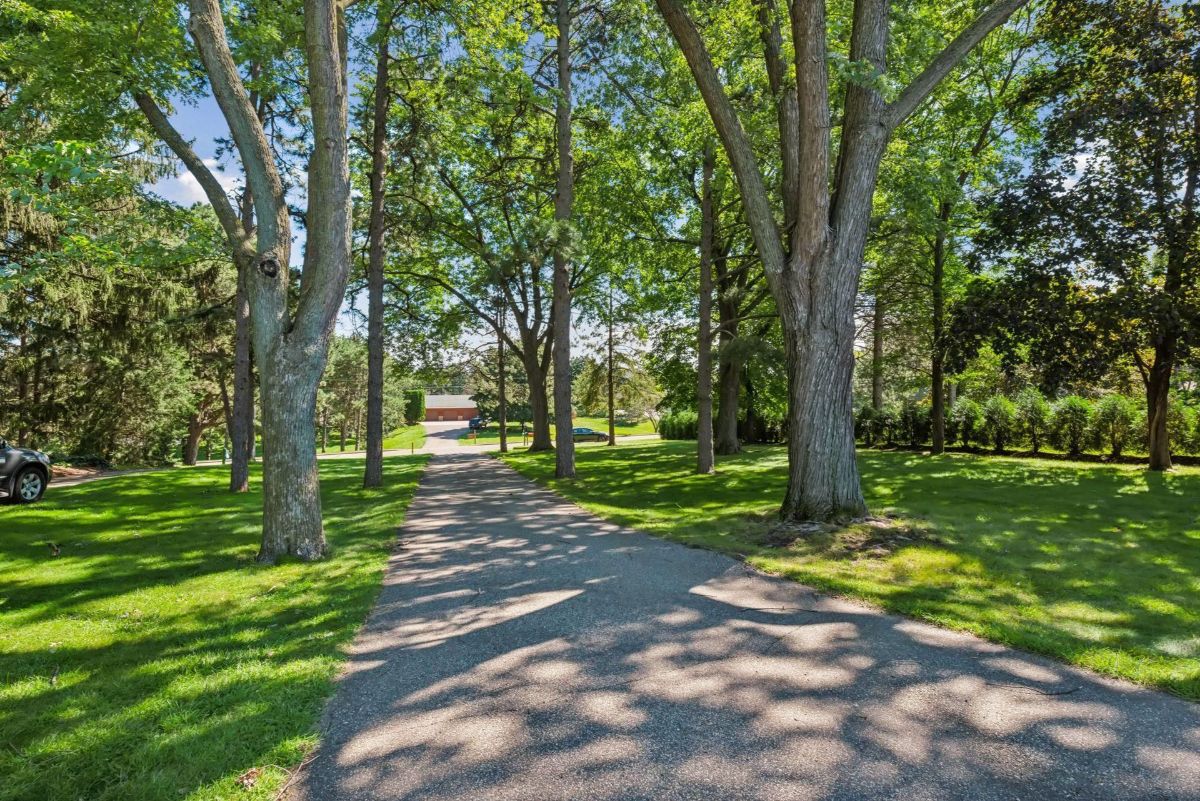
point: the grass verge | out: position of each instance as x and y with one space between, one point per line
152 658
1096 565
491 434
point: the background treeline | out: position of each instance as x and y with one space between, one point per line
1110 425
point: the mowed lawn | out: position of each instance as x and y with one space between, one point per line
153 658
1097 565
491 434
403 437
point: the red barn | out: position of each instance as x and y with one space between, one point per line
449 407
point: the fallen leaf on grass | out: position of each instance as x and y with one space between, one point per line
250 777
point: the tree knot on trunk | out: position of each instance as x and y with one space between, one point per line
268 264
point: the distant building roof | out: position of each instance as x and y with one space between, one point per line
448 402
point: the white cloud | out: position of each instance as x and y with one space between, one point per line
185 190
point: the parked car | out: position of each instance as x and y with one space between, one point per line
478 423
24 473
588 435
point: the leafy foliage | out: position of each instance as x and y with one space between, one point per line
1070 422
999 421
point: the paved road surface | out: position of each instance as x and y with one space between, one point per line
522 649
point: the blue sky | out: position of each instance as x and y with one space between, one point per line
203 124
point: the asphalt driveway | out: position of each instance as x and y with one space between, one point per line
523 649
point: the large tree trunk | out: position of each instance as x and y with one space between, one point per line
191 443
823 480
729 380
1158 389
290 347
877 318
502 381
704 395
291 492
937 382
373 474
536 377
937 411
241 422
564 459
813 266
612 370
729 386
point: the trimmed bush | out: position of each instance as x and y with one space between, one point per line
1033 417
679 425
967 418
999 421
1115 423
414 406
916 426
1069 423
1181 423
887 421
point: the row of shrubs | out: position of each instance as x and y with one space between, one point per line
1111 424
679 425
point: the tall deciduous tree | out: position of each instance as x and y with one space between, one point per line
813 259
564 200
289 344
1122 100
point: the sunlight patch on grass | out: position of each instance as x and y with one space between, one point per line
154 658
1095 564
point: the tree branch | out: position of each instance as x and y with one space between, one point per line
923 85
729 128
195 165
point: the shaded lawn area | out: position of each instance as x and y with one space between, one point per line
491 434
153 659
1096 565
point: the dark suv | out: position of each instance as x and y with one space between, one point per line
24 474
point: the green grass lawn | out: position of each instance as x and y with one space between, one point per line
623 429
1097 565
491 434
405 437
402 438
153 659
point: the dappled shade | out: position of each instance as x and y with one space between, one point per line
523 649
153 659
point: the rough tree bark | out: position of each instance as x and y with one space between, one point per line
729 370
612 373
191 443
502 376
877 318
937 373
1158 386
813 266
564 439
373 474
704 344
289 347
241 416
535 373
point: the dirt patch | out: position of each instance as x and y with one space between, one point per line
66 471
873 537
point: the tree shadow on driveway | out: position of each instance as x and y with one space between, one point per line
523 649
